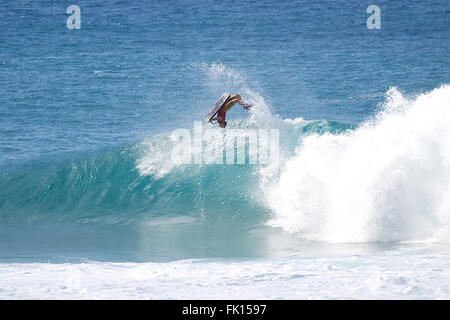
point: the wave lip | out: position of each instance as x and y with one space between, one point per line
387 180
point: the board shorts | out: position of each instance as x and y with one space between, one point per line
222 114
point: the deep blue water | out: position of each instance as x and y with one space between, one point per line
75 106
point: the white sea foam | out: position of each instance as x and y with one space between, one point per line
156 157
388 180
398 274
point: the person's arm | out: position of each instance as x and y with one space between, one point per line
246 106
237 99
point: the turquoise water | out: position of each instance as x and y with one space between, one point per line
86 115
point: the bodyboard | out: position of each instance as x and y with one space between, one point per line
219 104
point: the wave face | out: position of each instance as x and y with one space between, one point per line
387 180
125 184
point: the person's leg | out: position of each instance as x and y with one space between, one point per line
222 115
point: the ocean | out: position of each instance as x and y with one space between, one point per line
94 206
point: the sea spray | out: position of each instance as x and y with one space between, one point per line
387 180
